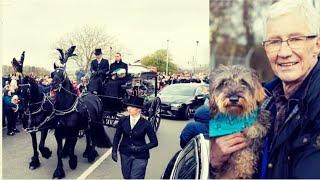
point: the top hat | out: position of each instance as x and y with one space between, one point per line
135 101
97 51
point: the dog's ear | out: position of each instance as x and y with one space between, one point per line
213 106
259 93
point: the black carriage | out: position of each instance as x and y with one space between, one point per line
139 82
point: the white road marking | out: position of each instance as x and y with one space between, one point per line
96 164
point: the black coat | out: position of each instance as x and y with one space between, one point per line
294 152
135 137
102 68
117 65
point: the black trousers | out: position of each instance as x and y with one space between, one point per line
3 117
133 168
95 84
11 119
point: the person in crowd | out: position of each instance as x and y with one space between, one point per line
11 107
200 125
292 146
99 69
44 86
82 86
79 74
132 131
75 87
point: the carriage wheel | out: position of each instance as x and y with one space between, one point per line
155 117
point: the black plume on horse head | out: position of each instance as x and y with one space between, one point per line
18 65
64 56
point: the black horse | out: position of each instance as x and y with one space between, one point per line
75 113
36 108
40 112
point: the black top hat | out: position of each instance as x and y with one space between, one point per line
135 101
97 51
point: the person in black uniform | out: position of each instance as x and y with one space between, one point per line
118 64
134 151
114 69
99 69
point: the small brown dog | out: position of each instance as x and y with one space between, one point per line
236 91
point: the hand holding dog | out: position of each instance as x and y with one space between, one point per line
223 147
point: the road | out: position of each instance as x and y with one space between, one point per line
17 152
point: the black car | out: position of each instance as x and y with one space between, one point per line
181 100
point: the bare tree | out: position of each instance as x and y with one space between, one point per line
234 39
87 39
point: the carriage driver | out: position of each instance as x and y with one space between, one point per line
134 151
99 69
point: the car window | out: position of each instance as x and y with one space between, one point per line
187 165
178 90
202 90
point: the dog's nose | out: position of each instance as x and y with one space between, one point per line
234 99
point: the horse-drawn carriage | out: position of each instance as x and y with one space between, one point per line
141 82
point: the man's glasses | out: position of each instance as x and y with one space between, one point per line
274 45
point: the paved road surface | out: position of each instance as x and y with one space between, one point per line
17 151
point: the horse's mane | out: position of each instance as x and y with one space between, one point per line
71 86
34 88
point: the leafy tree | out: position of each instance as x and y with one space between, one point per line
159 60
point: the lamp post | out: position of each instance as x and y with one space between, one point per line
195 58
110 53
167 66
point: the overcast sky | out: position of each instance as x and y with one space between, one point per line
141 26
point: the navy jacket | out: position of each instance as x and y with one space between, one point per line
135 137
201 125
102 68
294 152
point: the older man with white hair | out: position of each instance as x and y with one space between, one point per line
292 146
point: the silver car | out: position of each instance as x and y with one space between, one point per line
192 162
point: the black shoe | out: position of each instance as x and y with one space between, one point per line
16 130
10 133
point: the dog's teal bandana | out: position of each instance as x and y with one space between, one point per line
223 124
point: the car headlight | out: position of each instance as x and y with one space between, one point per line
175 106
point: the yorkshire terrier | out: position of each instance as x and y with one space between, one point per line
236 96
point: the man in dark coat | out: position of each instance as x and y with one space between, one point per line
99 69
134 151
118 64
114 69
292 147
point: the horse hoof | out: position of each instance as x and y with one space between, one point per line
59 173
95 152
73 162
45 152
92 156
85 154
34 164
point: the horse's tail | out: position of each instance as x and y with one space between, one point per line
97 130
99 135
